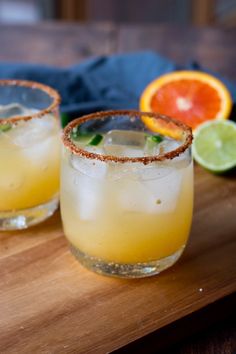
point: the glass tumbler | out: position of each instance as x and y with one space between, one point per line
126 191
29 153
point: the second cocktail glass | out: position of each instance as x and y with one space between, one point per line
29 153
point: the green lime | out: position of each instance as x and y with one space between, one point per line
214 145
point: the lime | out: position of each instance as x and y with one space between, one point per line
214 145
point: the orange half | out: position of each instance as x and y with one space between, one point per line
192 97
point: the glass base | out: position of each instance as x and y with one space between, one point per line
24 218
121 270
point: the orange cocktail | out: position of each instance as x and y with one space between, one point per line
126 194
29 153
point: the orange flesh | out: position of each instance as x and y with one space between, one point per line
200 101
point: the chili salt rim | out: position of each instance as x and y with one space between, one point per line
34 85
68 143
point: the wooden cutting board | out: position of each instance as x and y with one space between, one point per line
50 304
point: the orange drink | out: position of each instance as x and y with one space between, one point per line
126 194
29 154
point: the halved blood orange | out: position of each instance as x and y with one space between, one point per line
192 97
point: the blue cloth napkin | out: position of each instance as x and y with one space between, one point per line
114 82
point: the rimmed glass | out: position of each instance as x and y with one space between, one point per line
29 153
127 202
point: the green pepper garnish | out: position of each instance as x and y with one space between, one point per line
85 137
5 127
155 138
96 140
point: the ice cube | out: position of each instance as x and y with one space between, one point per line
85 193
127 170
183 160
89 197
154 171
133 197
126 143
154 146
164 190
15 109
151 148
168 145
155 190
89 167
41 151
32 132
180 161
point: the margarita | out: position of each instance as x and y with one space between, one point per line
126 208
30 159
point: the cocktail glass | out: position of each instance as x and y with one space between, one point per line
126 192
29 153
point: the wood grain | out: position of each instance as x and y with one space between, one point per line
58 44
49 303
203 12
71 10
211 47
